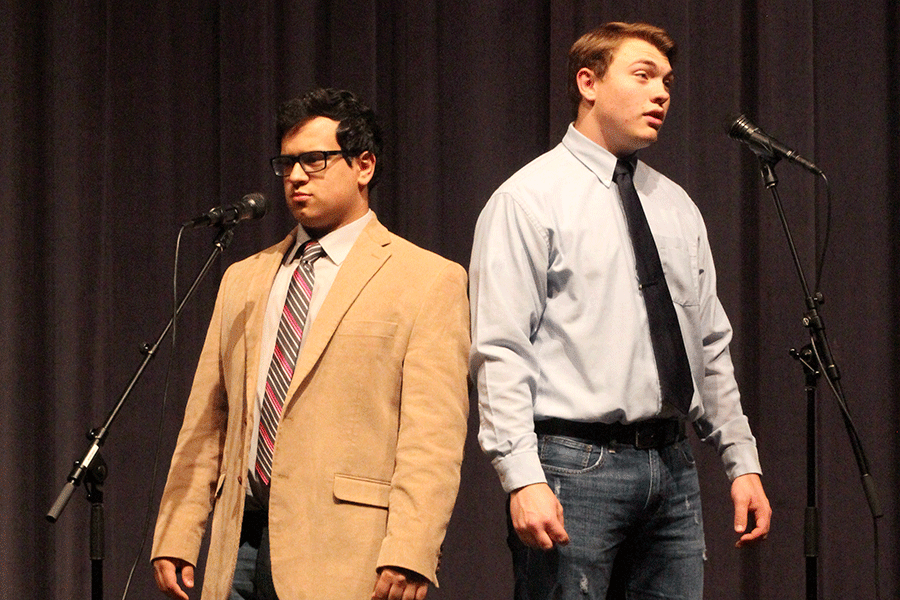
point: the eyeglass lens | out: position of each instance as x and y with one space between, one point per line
310 162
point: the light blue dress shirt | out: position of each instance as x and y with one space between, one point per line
559 327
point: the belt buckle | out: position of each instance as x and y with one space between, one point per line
646 437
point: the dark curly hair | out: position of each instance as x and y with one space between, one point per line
358 130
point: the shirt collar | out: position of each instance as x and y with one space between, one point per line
336 244
592 155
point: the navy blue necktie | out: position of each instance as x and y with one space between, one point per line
672 364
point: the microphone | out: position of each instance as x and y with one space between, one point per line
764 145
251 206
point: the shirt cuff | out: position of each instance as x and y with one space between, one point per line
519 470
741 459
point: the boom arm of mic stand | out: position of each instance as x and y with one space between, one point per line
98 436
813 322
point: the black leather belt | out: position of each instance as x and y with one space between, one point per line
643 435
252 526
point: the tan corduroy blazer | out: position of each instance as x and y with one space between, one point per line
367 458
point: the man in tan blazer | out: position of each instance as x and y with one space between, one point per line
367 453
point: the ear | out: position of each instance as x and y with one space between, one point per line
366 164
586 80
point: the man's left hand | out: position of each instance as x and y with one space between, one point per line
749 498
395 583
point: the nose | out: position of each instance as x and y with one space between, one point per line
661 93
297 174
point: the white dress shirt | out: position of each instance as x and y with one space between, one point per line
559 326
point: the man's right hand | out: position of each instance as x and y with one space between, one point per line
537 516
166 571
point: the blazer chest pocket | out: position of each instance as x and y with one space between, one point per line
357 342
359 490
378 329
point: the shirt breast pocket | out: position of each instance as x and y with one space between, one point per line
681 265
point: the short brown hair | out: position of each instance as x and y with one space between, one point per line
594 50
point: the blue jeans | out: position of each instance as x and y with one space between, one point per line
634 524
253 571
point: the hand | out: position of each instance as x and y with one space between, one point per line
748 497
537 516
166 571
395 583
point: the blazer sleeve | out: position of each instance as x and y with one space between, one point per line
190 490
432 430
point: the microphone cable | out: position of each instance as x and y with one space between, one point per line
838 393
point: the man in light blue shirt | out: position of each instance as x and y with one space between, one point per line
603 490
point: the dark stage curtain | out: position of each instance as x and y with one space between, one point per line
120 120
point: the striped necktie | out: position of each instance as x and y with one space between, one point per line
284 358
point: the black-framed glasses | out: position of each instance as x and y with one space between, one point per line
310 162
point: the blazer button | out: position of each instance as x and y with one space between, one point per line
240 480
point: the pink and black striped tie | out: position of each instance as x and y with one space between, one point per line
284 359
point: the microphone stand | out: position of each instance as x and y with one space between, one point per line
92 468
816 359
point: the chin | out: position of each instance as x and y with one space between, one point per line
315 229
646 140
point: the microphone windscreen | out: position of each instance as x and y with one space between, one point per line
736 124
257 204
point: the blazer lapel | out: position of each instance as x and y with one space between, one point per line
368 254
